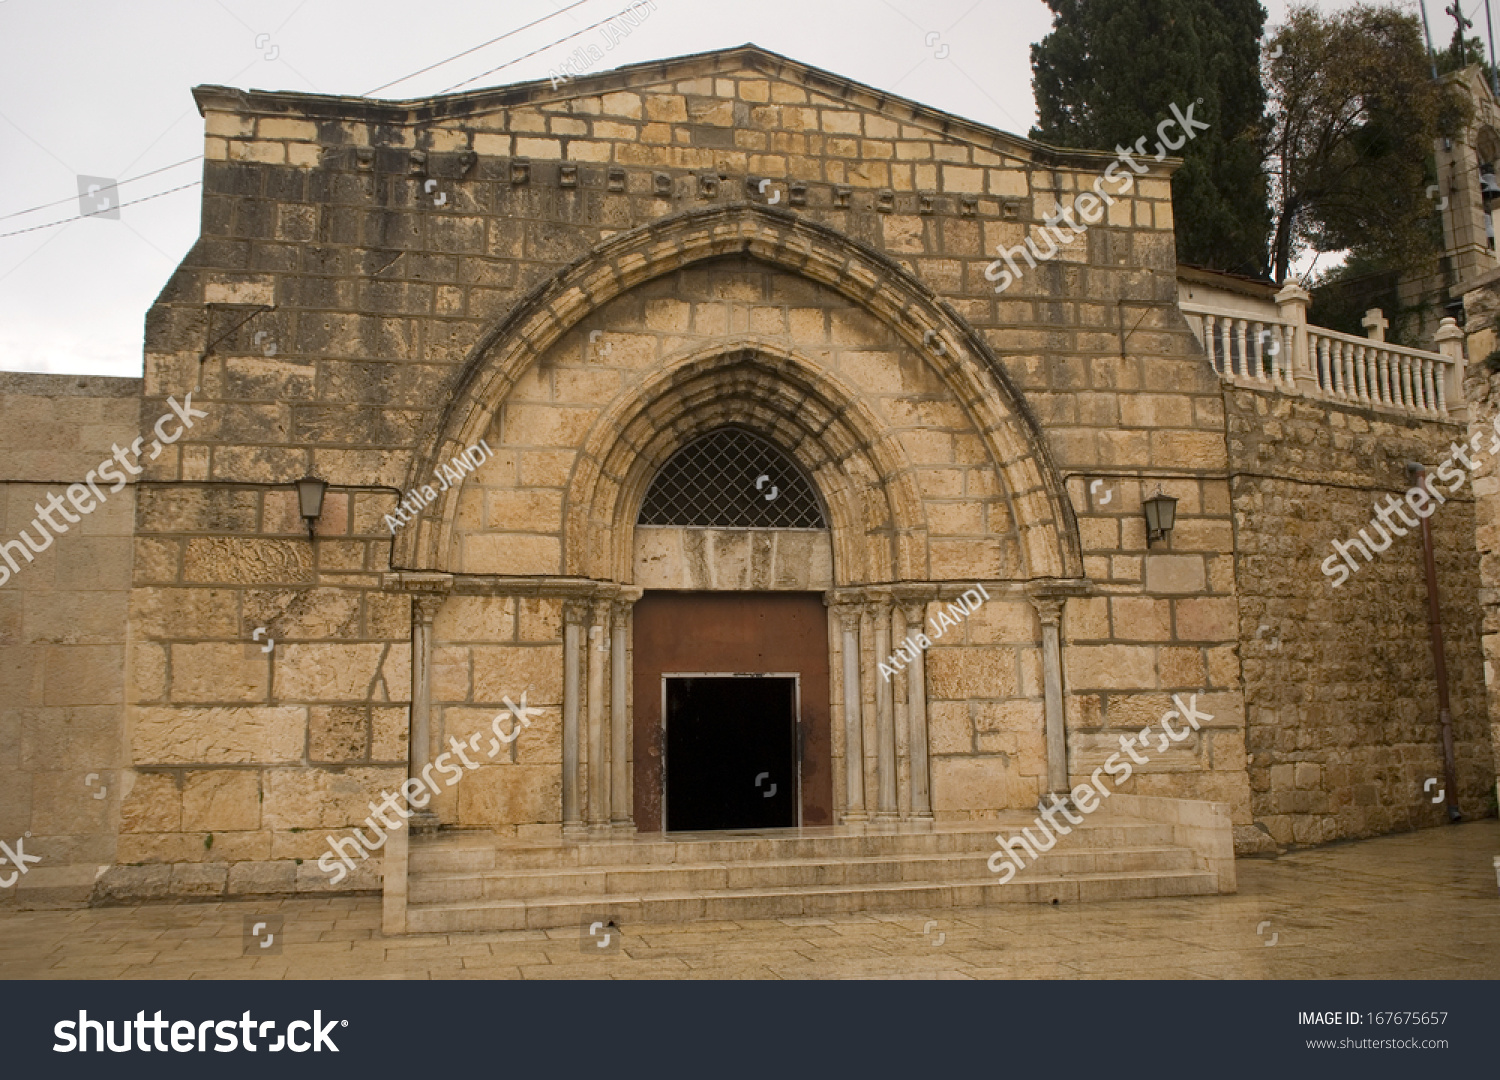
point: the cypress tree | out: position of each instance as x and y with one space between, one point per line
1110 71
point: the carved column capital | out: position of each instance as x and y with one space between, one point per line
1049 609
849 617
576 612
914 612
425 606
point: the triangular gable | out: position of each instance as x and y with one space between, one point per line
824 89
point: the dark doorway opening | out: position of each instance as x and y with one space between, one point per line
731 760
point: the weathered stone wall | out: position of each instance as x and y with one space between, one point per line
1163 622
1340 684
359 259
1482 392
63 632
245 760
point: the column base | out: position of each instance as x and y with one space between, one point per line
623 825
422 822
1063 800
575 830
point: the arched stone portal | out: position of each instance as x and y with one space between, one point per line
932 474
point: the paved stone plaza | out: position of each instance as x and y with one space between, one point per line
1415 906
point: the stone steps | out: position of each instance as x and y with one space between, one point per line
478 851
713 877
472 881
550 912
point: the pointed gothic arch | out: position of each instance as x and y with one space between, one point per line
1049 540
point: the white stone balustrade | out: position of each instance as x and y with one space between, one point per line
1290 355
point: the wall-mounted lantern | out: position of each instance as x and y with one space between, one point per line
1161 515
310 492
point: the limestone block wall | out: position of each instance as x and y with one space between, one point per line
485 649
1163 621
63 633
984 710
357 259
1339 682
246 760
1482 392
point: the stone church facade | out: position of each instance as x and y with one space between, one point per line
746 404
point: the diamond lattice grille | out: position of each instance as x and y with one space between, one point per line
712 483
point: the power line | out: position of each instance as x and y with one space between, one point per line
476 48
118 183
80 217
543 49
491 71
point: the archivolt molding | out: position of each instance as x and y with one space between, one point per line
875 508
1043 514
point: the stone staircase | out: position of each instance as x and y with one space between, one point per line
474 881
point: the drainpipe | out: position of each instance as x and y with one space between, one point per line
1417 472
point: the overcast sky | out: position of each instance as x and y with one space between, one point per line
94 88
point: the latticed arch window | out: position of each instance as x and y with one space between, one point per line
732 479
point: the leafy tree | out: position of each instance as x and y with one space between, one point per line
1354 114
1460 53
1109 72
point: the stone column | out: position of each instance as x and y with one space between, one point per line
886 809
575 612
1291 304
916 714
854 718
621 816
598 763
1050 612
424 609
1450 387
